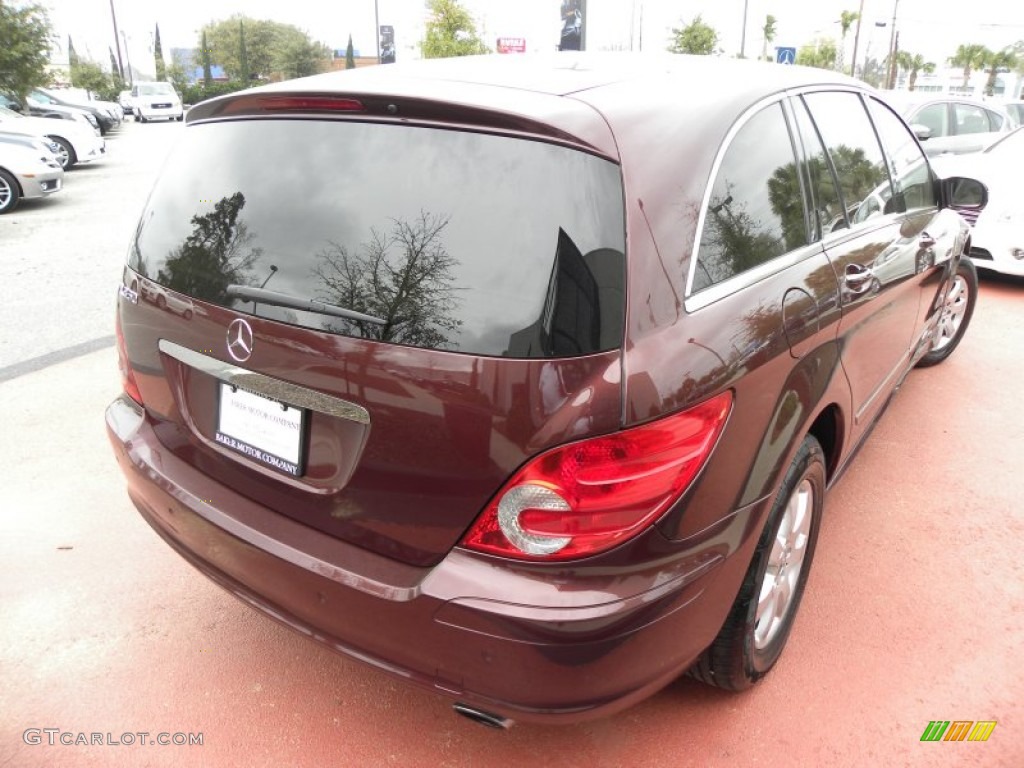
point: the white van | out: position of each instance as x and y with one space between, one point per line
153 100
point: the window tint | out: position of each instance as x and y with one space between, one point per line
756 210
455 240
995 119
970 119
828 212
908 168
935 117
855 153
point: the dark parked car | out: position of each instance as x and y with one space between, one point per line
525 380
105 117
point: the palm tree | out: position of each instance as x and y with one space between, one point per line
846 19
768 30
969 57
914 63
996 60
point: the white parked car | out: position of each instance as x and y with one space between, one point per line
151 101
26 172
950 124
77 143
997 240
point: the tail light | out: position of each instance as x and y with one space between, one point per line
586 497
270 103
131 388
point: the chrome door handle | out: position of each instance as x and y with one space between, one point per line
858 277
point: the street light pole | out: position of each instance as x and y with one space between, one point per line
128 58
113 17
743 34
376 28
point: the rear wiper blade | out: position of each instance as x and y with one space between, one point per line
278 299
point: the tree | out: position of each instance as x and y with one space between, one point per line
206 58
913 63
90 76
27 37
250 49
768 31
995 61
450 31
970 57
299 57
350 56
846 19
821 54
72 54
243 55
177 76
696 38
158 56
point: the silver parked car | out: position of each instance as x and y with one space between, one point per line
26 172
948 124
76 142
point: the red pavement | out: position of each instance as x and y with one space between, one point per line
914 612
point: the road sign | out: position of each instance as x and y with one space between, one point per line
785 55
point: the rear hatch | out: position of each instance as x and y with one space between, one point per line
368 326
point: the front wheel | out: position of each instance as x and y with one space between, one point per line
66 156
10 193
955 314
754 634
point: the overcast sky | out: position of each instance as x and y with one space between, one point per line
931 27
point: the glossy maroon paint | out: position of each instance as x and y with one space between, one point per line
360 553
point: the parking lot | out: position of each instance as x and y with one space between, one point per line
914 610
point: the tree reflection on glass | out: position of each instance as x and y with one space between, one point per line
403 276
214 255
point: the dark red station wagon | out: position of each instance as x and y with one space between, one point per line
524 380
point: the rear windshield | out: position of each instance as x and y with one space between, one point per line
451 240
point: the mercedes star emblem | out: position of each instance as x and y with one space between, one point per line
239 340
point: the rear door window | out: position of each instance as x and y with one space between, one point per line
755 212
454 240
971 119
860 167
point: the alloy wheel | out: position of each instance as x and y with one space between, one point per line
954 309
779 585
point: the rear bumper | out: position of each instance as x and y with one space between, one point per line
154 113
580 649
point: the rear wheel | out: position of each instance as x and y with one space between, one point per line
955 315
754 634
66 156
9 192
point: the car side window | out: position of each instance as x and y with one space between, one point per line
995 120
908 168
755 212
856 155
828 214
970 119
934 117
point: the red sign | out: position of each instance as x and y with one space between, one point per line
511 45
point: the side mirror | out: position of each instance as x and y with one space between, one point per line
964 194
923 132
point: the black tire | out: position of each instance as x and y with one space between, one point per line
10 192
68 158
748 646
955 315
